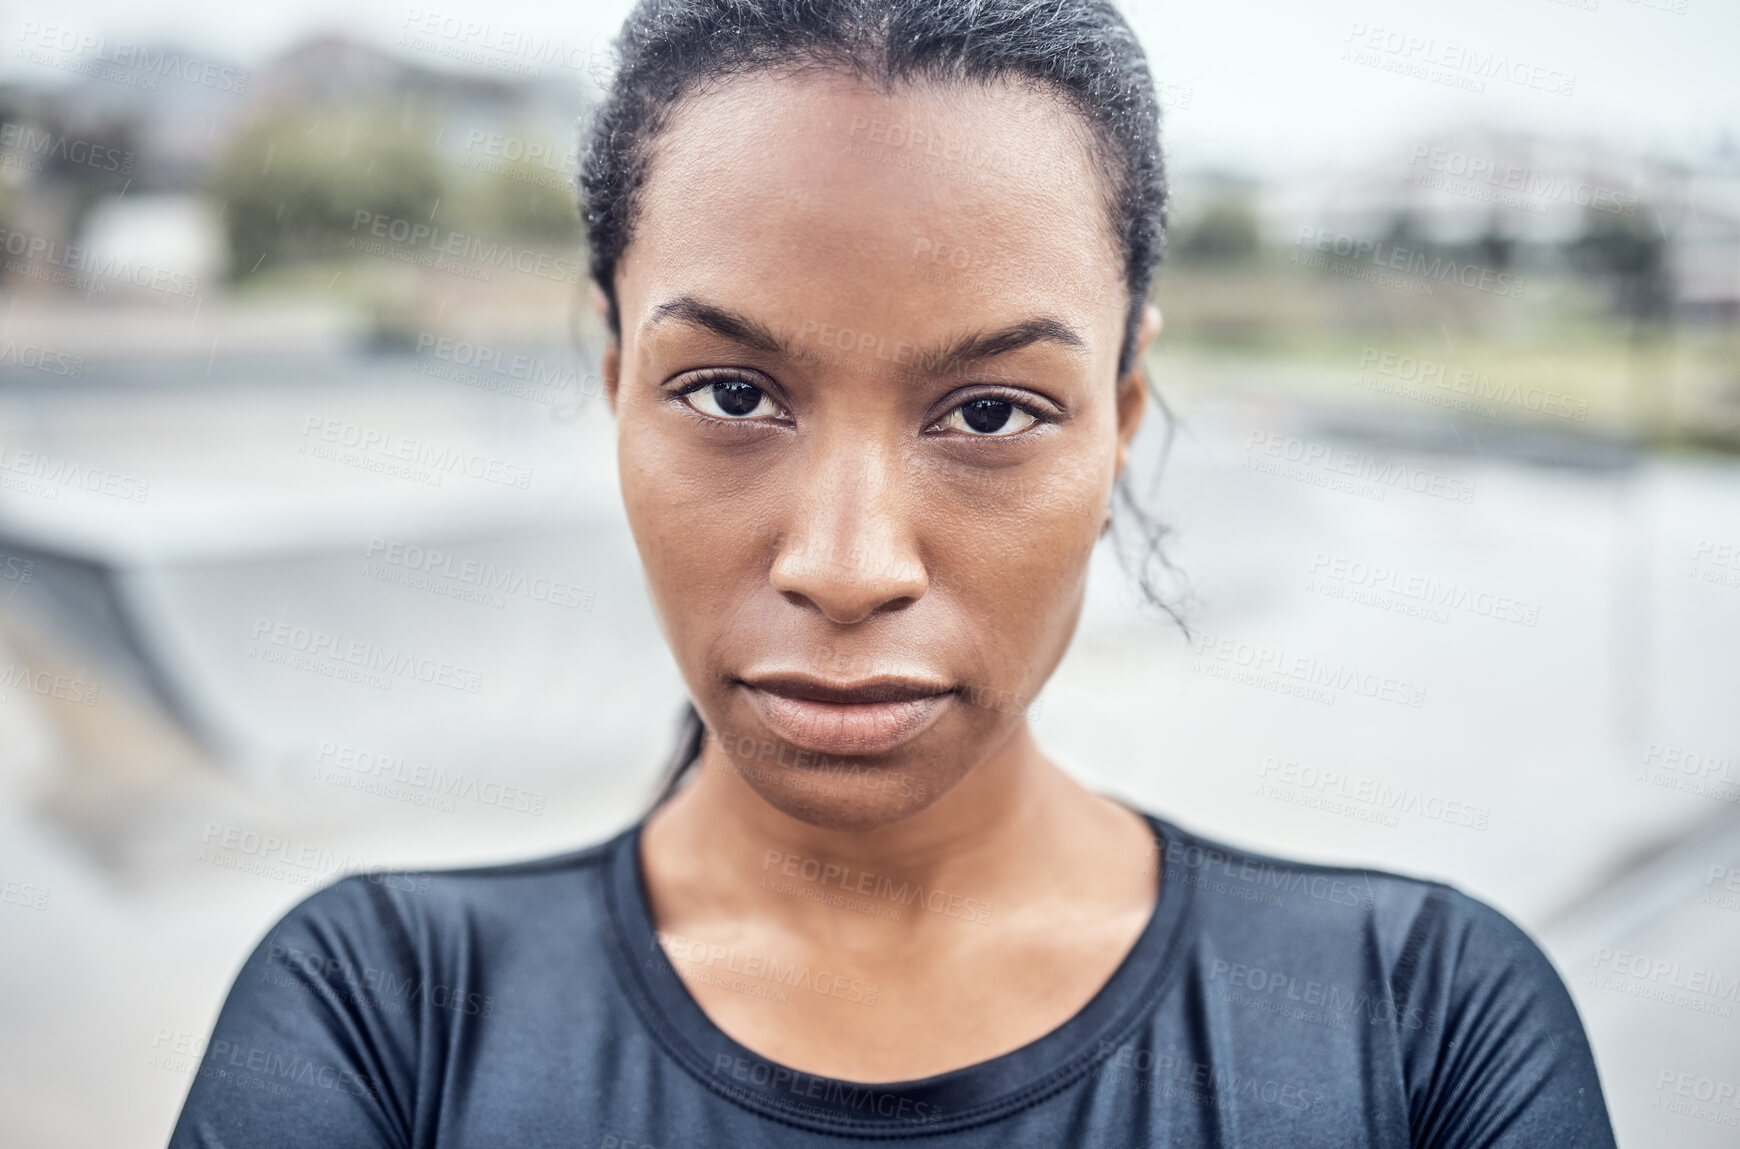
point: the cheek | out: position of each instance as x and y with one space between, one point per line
1017 568
693 531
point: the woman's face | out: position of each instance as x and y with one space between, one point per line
869 421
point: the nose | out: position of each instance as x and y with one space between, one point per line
849 550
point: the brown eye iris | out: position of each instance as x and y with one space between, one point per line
734 400
735 397
990 417
987 416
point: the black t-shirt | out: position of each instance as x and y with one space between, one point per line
1266 1003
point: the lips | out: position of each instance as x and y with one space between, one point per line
846 719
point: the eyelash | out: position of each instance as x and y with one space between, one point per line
1020 402
711 378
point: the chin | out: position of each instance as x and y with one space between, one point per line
857 794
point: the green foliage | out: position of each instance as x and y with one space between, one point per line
293 184
1225 233
527 200
1631 254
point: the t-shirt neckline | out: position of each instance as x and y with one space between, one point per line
970 1095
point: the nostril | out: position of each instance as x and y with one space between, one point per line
847 589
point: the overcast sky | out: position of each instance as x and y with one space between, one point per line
1261 85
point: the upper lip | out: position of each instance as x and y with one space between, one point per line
884 688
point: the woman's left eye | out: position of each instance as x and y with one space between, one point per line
989 418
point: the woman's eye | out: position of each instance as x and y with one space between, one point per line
989 417
730 399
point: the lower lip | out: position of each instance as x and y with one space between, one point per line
846 730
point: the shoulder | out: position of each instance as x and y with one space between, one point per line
1426 940
1485 1033
373 898
376 924
1242 892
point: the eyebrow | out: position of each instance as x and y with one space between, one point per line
975 348
955 356
733 326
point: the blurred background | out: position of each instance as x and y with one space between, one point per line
312 559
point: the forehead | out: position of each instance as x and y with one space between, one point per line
818 198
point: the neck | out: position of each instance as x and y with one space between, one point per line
1016 832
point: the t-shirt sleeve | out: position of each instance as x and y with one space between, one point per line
313 1047
1502 1061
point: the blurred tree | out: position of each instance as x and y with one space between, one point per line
1225 233
291 186
1630 253
1493 247
1405 230
59 164
528 200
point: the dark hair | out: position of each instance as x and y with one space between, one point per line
1082 50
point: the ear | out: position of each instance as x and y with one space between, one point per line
610 365
1133 387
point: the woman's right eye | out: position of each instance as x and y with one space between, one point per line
730 399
